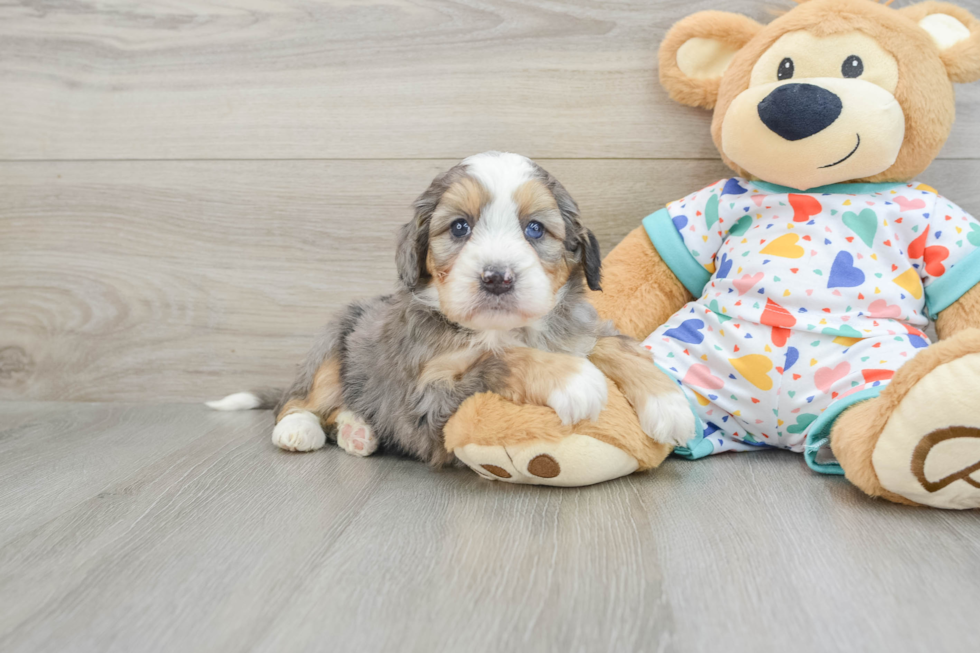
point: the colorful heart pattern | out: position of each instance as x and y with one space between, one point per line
973 236
689 331
747 281
741 226
828 376
811 297
724 267
881 309
784 247
803 422
843 272
804 207
864 224
755 369
700 376
905 204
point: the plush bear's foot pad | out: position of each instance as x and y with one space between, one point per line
929 450
572 461
544 466
354 435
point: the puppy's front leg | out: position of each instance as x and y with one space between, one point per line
664 412
572 386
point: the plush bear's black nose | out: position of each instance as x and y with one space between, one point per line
795 111
496 281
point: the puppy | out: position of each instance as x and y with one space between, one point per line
491 298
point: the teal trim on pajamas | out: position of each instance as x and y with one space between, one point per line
959 280
818 436
670 245
699 447
842 189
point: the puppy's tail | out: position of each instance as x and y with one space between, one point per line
255 399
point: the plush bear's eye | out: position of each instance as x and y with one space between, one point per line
852 66
786 69
460 228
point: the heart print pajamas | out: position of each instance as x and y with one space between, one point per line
807 302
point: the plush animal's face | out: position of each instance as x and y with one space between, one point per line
821 109
833 91
495 242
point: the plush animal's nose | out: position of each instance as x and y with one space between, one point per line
497 281
795 111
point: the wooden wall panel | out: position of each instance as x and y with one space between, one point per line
175 280
168 281
355 79
189 189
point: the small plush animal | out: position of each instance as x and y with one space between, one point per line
491 298
789 301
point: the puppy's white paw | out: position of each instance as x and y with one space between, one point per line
354 435
299 431
583 397
667 418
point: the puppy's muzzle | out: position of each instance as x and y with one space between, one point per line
497 281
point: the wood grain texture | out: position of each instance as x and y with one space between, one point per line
172 528
161 281
247 79
180 281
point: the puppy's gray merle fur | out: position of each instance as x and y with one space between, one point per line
494 261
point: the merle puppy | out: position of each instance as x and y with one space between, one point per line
491 298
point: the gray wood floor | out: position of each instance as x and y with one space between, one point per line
172 528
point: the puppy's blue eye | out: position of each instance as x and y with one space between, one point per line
460 228
534 230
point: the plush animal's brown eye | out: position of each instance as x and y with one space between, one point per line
852 66
786 69
460 228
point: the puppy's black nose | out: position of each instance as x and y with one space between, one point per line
496 281
795 111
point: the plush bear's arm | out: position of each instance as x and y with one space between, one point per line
962 314
639 292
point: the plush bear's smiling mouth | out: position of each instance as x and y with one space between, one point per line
790 142
846 157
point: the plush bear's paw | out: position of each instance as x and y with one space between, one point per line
929 450
667 418
583 397
299 431
354 435
573 461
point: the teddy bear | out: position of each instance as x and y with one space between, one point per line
789 301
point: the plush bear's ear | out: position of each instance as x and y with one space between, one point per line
956 32
696 52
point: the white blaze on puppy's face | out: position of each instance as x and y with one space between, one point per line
487 272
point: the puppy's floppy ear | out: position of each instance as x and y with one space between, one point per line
955 32
413 238
577 238
696 52
411 253
591 260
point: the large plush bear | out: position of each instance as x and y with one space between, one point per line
789 301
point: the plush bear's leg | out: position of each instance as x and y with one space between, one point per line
501 440
918 443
